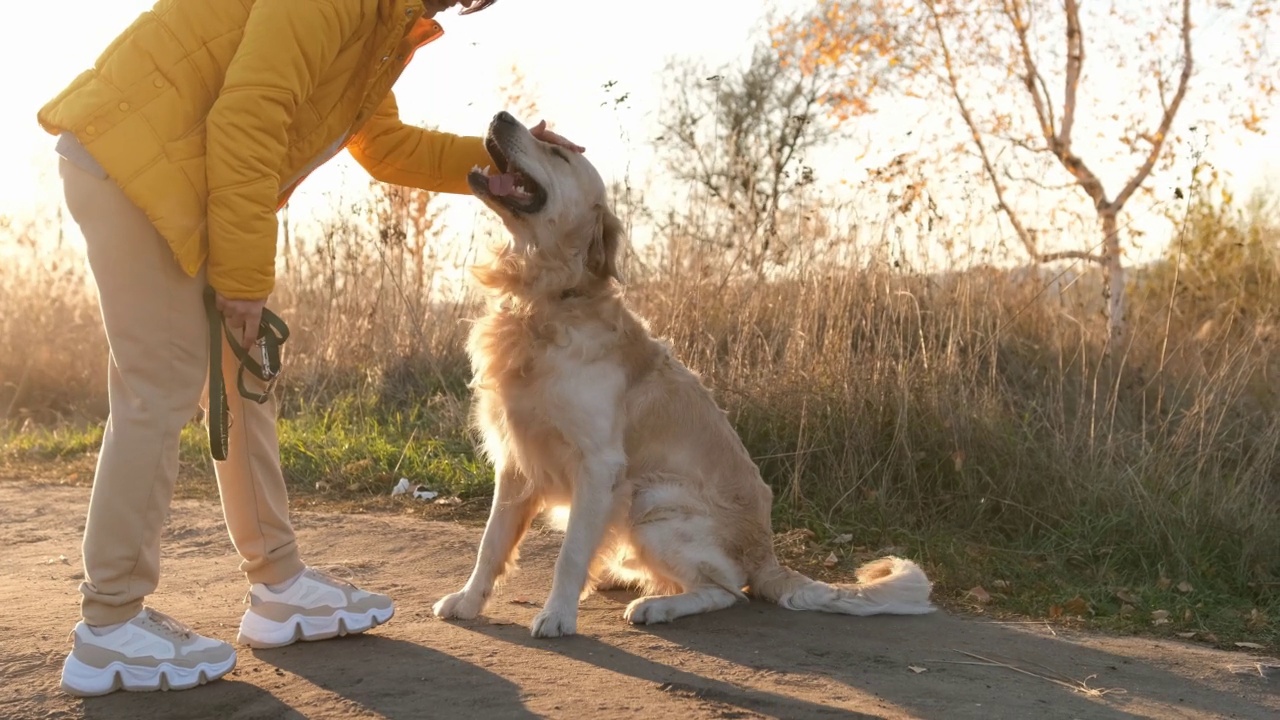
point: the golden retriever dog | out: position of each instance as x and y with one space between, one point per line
580 406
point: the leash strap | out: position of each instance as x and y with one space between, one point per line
272 333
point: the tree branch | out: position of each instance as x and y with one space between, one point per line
1157 140
1060 144
1075 62
1071 255
1044 87
1024 236
1013 10
1036 182
1023 144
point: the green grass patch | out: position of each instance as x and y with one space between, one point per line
47 444
1037 577
1071 567
347 449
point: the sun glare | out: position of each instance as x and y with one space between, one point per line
607 104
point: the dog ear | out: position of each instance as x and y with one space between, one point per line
602 255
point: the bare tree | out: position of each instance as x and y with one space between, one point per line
740 134
1020 93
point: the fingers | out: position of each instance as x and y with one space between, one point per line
243 314
252 319
246 320
541 132
566 143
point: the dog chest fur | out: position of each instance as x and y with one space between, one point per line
548 394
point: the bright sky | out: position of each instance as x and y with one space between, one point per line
567 49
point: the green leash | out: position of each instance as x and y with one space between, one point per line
272 332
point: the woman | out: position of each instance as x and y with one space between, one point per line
177 149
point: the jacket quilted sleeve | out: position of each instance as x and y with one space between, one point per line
401 154
285 47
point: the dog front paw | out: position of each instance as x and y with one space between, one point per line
461 605
553 622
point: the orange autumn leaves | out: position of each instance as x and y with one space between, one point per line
906 46
839 35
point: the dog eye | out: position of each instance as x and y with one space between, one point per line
560 154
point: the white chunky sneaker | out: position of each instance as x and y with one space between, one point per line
150 652
315 607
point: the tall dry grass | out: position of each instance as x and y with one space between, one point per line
975 404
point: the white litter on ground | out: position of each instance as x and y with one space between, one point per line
421 492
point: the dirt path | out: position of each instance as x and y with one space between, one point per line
751 661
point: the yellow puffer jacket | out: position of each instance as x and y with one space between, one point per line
208 114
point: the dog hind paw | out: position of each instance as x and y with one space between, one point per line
649 611
458 606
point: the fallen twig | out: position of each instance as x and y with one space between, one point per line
1080 686
1261 668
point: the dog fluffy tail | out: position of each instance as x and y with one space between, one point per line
888 586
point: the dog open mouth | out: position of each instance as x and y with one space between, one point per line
509 186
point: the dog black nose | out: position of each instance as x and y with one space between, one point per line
504 117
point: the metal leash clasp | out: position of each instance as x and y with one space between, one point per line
268 372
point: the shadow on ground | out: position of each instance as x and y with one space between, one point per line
751 661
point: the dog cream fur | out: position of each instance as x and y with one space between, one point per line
580 406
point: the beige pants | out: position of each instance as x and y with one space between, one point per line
154 317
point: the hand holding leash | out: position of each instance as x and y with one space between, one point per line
244 315
263 329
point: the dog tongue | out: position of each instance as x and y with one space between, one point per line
502 185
